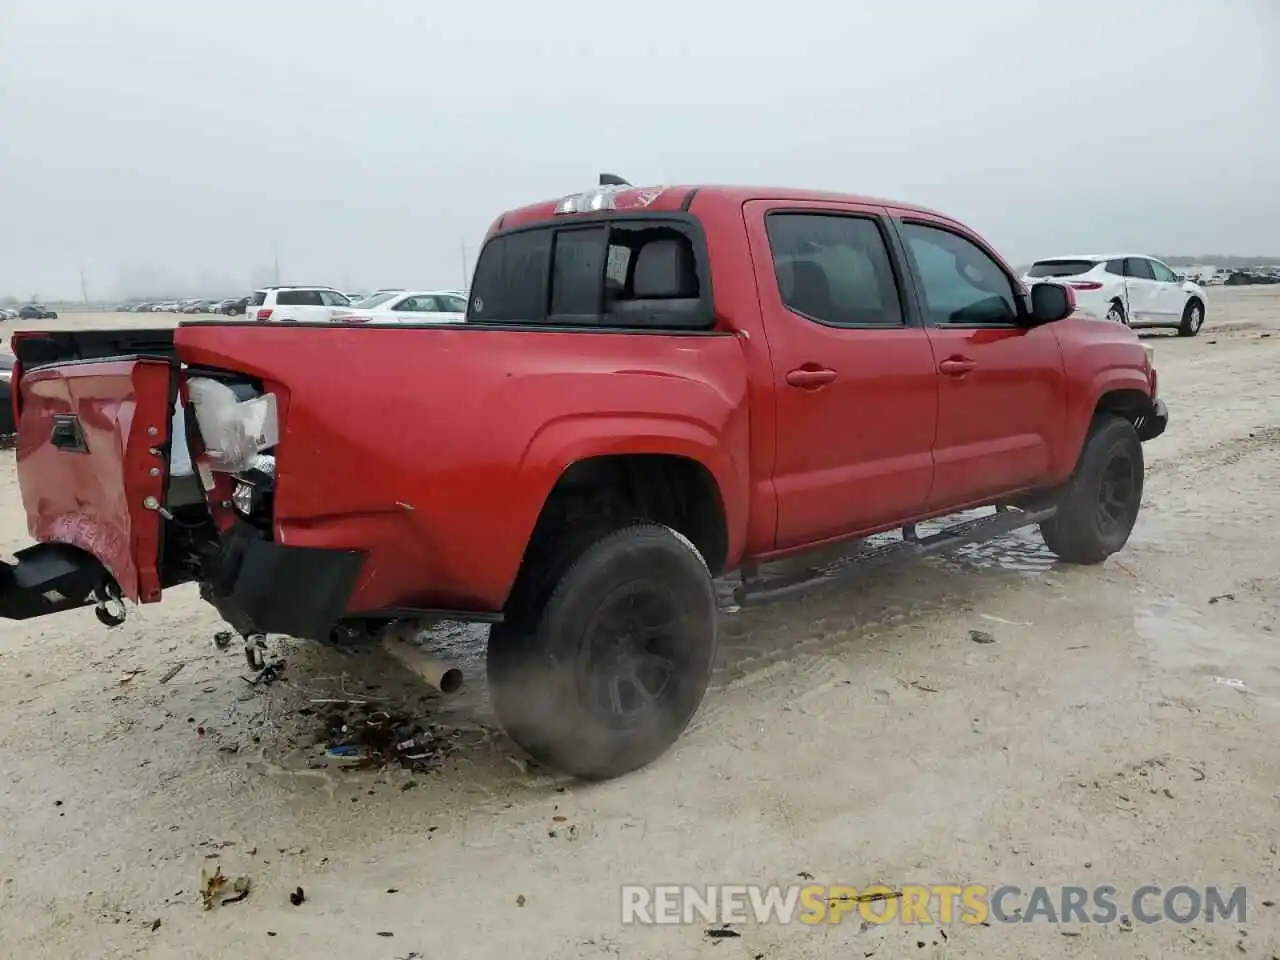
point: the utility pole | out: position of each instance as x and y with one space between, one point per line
466 273
84 286
275 260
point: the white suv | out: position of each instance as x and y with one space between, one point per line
1129 288
296 304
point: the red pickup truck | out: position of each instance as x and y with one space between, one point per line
652 387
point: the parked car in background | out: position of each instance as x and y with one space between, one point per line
407 306
297 304
8 313
1133 289
233 306
36 311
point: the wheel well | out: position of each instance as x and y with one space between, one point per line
609 491
1133 405
1194 299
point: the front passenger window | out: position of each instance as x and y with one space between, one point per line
961 283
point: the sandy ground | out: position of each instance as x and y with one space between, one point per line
856 735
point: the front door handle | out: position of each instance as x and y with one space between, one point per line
956 366
810 378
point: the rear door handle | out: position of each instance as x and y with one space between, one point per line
809 378
956 366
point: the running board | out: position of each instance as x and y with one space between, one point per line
1004 521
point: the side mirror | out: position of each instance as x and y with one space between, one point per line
1051 302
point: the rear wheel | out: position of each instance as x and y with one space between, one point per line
602 677
1116 314
1100 504
1192 319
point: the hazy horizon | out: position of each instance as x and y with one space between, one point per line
151 145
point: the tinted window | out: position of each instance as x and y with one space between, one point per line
1139 268
577 272
1116 267
334 299
451 304
1163 273
1060 268
961 283
833 269
299 298
510 282
258 299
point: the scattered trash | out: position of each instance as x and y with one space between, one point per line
1230 682
520 900
1168 793
385 933
222 639
559 819
367 738
214 885
805 875
130 674
268 675
920 686
298 897
1222 596
1070 933
1007 623
172 672
1200 774
981 636
155 925
719 933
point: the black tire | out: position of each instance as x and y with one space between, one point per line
1100 503
546 677
1192 318
1116 312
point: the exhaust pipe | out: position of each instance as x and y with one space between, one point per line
440 675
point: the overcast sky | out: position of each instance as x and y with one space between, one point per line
365 143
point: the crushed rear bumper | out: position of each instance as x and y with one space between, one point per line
49 578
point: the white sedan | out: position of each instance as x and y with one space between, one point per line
406 306
1129 288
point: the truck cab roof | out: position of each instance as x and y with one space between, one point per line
679 198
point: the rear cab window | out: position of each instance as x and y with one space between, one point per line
632 272
1060 268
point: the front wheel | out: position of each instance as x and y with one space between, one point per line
1192 319
1100 504
1116 314
611 669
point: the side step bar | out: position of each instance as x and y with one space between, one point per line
1004 521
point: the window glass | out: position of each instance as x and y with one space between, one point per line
834 269
377 300
510 281
258 299
577 272
1060 268
452 304
1138 268
961 283
1115 267
1163 273
331 298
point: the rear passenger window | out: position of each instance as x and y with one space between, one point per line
961 283
834 269
1115 267
299 298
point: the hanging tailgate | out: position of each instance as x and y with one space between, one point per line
92 441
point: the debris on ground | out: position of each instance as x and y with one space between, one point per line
1229 682
172 672
719 933
364 737
520 900
131 673
298 897
222 639
214 885
981 636
1222 596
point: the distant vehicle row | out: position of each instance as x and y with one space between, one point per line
28 311
319 304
